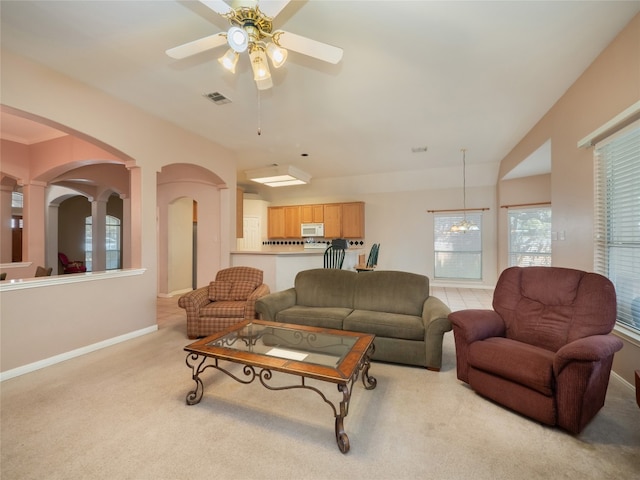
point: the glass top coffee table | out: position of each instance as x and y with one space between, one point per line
334 356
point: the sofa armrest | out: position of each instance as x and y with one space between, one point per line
193 301
581 369
475 324
435 315
588 349
470 326
269 305
250 305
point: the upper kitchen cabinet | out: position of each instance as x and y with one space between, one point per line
284 222
341 220
333 220
292 222
353 220
312 213
275 224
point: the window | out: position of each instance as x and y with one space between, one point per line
617 221
457 255
529 237
112 242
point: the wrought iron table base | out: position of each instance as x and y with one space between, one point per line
198 364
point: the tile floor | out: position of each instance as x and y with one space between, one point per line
169 313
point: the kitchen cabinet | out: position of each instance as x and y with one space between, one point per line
284 222
341 220
292 222
275 226
333 220
353 220
311 213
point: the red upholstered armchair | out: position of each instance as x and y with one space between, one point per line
228 300
545 350
76 266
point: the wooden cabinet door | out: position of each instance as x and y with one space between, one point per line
275 225
311 213
353 220
333 220
292 222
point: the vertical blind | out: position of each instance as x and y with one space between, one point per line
617 219
530 236
457 255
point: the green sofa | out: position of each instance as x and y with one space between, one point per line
409 324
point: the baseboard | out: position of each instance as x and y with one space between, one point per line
47 362
173 294
624 382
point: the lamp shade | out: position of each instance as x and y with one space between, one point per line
277 54
229 60
259 63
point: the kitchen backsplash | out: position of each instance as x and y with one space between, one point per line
352 243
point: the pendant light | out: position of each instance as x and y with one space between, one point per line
465 225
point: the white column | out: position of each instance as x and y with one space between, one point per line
98 235
6 192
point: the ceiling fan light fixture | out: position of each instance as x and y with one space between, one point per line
238 39
229 60
278 55
279 176
259 63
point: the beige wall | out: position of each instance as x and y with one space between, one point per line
609 86
37 323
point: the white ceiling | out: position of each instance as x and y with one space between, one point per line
443 75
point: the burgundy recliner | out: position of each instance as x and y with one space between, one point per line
546 348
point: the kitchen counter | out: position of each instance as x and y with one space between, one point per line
281 263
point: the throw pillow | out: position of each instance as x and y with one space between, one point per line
219 291
241 290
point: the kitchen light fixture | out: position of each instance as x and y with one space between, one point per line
465 225
278 176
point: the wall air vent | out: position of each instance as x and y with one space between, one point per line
217 98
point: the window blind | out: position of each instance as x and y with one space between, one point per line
457 255
530 236
617 219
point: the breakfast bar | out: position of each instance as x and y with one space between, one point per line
281 263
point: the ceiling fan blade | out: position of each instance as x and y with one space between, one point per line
197 46
271 8
217 6
306 46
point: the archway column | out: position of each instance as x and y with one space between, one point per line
98 235
6 193
33 231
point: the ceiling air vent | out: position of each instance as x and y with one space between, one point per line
217 98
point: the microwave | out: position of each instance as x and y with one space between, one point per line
312 230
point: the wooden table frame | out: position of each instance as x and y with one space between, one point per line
202 356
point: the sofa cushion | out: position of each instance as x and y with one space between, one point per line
219 291
518 362
382 324
391 292
326 317
223 309
325 287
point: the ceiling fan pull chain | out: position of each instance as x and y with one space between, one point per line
259 113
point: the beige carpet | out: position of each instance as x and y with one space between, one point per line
120 413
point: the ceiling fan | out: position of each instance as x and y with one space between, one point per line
251 31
